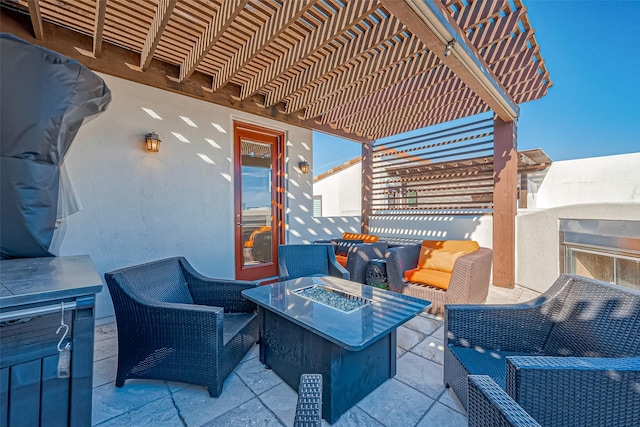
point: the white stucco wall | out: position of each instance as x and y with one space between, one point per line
138 206
607 179
435 227
341 192
538 241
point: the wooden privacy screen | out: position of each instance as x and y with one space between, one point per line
446 171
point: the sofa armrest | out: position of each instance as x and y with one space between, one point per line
336 270
359 257
470 277
218 292
576 390
400 260
490 405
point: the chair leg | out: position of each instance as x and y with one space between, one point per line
120 381
215 390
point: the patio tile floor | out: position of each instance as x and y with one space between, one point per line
254 396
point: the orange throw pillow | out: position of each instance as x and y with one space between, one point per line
366 238
342 260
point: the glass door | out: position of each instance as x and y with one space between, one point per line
258 210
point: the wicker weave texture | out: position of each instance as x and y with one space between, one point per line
309 406
359 256
490 405
469 279
162 336
584 336
299 260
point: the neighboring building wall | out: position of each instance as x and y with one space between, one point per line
138 206
607 179
341 191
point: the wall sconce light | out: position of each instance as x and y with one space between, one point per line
152 142
448 47
304 166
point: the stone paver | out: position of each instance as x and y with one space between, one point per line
254 396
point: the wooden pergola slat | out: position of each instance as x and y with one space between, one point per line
407 68
222 20
374 36
393 55
349 15
286 15
386 100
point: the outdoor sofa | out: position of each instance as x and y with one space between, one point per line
570 357
354 251
175 324
441 271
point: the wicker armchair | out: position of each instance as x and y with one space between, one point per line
299 260
469 279
309 406
571 357
175 324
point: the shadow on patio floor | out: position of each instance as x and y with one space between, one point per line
254 396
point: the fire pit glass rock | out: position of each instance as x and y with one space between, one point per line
333 298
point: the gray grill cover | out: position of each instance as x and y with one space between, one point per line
45 97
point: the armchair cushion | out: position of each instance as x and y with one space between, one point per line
442 254
439 279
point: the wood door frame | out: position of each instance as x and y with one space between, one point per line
241 129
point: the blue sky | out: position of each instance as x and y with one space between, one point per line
592 52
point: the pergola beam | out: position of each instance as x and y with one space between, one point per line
98 27
223 19
431 22
159 23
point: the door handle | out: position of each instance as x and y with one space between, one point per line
238 224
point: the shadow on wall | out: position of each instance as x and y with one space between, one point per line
320 228
426 227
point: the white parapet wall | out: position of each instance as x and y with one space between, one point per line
538 239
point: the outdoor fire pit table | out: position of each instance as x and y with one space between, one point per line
353 345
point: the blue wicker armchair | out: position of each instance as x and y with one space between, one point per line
175 324
571 357
299 260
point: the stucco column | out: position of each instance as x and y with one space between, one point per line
367 185
505 199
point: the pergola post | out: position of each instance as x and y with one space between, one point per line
367 185
505 198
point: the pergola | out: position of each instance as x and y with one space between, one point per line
358 69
